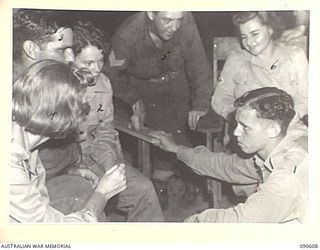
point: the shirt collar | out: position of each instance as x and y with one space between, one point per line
20 150
278 52
283 145
26 156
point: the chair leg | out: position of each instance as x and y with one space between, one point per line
214 186
144 161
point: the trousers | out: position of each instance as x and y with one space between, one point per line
68 193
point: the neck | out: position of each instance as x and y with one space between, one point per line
267 150
26 61
268 55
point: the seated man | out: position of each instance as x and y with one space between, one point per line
100 142
277 166
38 36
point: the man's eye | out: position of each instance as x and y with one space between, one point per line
166 21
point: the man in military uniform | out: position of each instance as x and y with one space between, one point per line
158 66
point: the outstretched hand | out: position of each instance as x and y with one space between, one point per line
166 141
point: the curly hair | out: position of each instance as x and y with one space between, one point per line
33 25
48 99
86 33
270 103
272 19
245 16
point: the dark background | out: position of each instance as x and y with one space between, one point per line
210 24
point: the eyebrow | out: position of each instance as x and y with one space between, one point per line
168 18
253 31
243 124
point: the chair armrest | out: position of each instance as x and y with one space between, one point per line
121 124
210 123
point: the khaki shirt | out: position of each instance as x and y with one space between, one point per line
100 144
281 180
243 72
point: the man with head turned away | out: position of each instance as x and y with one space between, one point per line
275 164
38 36
159 67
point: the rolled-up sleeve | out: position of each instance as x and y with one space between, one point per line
223 97
117 64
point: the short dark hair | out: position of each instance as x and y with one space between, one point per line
86 33
270 103
48 99
34 25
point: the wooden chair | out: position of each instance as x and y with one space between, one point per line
222 46
211 125
145 140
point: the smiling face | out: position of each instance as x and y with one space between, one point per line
167 23
251 131
59 46
92 59
255 36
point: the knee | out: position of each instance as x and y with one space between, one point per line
145 186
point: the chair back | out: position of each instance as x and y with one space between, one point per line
222 47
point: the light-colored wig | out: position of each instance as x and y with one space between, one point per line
48 99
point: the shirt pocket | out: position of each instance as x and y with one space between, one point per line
175 58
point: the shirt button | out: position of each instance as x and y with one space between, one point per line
179 131
100 120
153 105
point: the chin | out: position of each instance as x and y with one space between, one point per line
167 37
246 150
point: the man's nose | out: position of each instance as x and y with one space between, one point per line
69 55
175 25
237 131
95 68
251 41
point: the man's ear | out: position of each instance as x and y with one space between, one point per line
270 30
274 130
31 49
150 15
